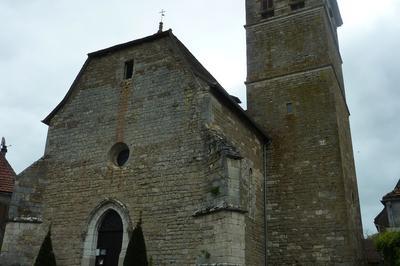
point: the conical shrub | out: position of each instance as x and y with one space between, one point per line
46 256
136 251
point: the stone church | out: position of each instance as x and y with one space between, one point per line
146 133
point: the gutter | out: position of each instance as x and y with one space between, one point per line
265 148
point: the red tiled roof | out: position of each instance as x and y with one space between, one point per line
7 175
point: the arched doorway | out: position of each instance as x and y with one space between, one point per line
106 217
109 240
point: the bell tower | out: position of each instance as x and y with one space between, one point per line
295 91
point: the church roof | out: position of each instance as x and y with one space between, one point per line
393 195
7 175
197 68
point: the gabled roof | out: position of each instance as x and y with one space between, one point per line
100 53
197 68
394 195
381 221
7 175
200 71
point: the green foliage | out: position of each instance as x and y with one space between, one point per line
372 236
389 244
136 251
215 191
206 254
46 256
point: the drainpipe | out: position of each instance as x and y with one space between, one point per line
265 148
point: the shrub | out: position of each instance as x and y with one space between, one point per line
389 244
136 250
46 256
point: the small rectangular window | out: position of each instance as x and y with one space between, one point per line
297 5
268 13
268 8
268 4
128 73
289 108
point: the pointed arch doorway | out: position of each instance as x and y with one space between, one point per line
109 240
104 226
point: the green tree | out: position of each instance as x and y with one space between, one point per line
46 256
389 244
136 251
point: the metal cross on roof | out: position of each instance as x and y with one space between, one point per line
160 28
162 12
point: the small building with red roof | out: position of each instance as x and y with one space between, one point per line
7 179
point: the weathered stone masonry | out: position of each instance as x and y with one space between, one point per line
209 185
171 122
295 92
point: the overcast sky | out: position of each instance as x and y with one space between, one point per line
43 44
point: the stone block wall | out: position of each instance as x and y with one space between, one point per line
305 199
25 230
355 235
156 115
21 243
5 199
160 114
255 10
250 172
295 43
295 92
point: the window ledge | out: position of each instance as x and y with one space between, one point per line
268 12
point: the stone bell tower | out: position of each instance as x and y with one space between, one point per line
295 91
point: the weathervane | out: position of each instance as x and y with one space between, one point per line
160 28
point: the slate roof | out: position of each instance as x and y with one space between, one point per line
197 68
7 175
393 195
382 221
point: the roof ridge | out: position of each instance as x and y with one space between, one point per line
195 66
8 164
200 71
127 44
98 53
193 62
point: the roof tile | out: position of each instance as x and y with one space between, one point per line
395 194
7 175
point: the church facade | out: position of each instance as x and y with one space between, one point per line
145 133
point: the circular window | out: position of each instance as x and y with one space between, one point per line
119 154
